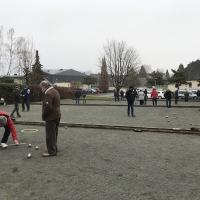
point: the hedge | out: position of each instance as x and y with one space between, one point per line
7 89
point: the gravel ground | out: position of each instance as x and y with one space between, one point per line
161 102
103 164
145 116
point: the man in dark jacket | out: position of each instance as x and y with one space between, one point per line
77 96
186 95
176 96
16 102
130 96
116 95
51 115
168 96
25 98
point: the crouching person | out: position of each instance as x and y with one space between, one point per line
7 123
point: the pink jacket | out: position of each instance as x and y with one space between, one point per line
154 94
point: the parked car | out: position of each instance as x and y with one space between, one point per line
181 94
90 91
192 94
161 94
148 94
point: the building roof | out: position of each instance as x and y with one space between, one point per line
63 72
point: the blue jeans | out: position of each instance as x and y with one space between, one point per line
130 108
5 135
77 100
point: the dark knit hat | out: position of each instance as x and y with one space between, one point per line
3 121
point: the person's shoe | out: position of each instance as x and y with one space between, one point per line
133 115
19 116
16 142
4 145
47 155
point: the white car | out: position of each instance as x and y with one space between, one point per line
192 94
181 94
161 94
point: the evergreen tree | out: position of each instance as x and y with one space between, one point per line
142 72
132 79
36 75
89 80
179 76
155 78
181 68
104 79
167 75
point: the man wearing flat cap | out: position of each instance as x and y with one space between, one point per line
7 123
51 115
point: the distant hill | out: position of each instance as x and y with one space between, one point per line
193 70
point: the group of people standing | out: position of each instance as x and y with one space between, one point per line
132 93
7 120
50 114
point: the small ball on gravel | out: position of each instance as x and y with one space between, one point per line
29 155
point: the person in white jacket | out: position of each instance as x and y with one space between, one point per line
141 97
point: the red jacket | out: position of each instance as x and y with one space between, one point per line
154 94
10 124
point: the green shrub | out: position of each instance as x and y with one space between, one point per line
7 89
6 79
6 92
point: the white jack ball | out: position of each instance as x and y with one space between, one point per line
29 155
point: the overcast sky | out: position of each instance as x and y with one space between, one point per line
71 33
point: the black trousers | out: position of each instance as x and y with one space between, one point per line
116 98
130 108
168 103
5 135
16 109
154 100
51 136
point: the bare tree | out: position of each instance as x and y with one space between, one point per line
120 60
10 49
25 57
1 50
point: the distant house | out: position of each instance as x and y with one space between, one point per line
192 73
63 75
190 85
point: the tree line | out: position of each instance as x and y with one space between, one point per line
18 56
